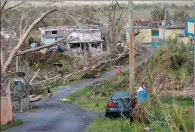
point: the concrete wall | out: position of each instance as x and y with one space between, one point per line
190 27
170 33
6 108
145 36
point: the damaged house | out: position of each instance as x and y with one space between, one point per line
85 38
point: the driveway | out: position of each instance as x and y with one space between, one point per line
53 115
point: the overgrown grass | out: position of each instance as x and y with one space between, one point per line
179 118
96 104
177 110
11 124
79 93
180 101
122 124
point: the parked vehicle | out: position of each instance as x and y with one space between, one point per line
119 103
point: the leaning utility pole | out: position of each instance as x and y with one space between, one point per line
131 57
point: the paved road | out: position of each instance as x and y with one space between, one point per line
53 115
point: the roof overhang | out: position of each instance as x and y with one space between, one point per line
189 20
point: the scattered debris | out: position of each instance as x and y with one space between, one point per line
35 98
65 100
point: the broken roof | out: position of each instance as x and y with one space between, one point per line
69 27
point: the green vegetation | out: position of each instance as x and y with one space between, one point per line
180 119
122 124
180 101
164 113
11 124
79 93
96 104
167 107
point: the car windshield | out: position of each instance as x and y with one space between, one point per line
120 95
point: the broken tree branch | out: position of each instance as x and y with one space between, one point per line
25 35
44 46
34 77
2 8
3 11
21 41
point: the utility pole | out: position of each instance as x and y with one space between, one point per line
194 55
164 38
131 57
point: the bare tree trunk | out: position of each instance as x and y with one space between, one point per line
2 56
17 63
107 43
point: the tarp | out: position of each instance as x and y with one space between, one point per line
33 45
141 94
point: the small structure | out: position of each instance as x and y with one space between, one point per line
85 38
144 36
171 31
189 29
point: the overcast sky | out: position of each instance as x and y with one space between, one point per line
72 3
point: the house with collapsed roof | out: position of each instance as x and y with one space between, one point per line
84 38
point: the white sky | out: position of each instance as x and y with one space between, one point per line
71 3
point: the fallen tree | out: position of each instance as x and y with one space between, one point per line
87 67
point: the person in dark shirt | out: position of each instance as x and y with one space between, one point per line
49 92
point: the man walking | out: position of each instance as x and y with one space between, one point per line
49 92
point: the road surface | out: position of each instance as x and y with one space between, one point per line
53 115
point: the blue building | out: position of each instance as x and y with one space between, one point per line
51 34
189 30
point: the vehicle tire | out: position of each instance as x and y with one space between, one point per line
107 114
